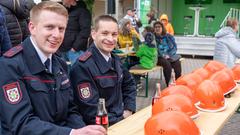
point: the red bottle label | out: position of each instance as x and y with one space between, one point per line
105 120
98 120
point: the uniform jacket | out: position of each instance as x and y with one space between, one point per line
78 28
93 77
169 26
32 100
16 18
5 43
227 48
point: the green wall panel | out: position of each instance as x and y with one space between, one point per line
217 8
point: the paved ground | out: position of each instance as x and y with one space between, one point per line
188 65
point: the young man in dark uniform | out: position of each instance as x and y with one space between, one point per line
100 74
35 96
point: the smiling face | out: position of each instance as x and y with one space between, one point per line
105 37
48 31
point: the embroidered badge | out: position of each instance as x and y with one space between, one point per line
12 93
84 90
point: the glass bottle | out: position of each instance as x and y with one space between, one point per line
102 116
157 93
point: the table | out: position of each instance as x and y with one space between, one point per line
208 123
196 20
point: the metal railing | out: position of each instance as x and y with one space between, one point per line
232 13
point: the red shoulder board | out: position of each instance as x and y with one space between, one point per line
13 51
85 56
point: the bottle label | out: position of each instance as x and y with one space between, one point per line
101 120
105 120
98 120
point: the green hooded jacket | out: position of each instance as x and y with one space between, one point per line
148 56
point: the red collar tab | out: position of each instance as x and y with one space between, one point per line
13 51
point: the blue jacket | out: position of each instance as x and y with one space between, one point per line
32 100
227 48
5 43
167 47
93 77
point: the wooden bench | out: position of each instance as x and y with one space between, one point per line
145 73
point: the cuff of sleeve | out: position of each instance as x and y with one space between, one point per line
130 107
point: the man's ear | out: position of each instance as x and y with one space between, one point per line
31 27
93 34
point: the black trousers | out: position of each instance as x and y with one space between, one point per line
167 68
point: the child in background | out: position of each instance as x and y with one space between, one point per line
147 52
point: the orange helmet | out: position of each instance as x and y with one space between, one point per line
170 123
175 102
236 73
214 66
203 73
190 80
210 96
179 89
225 80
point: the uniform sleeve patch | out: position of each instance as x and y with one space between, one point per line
84 90
12 93
85 56
13 51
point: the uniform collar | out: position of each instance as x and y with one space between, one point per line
106 57
33 60
40 53
100 60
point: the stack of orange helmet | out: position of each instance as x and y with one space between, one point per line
176 102
236 73
225 80
179 89
210 96
171 123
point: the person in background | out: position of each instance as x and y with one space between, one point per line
168 26
36 97
5 43
148 51
151 18
98 73
78 30
17 14
167 52
227 48
135 22
126 34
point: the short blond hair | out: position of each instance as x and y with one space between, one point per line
232 22
47 6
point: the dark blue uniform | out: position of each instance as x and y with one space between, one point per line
93 77
34 101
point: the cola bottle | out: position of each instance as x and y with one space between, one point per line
102 116
157 93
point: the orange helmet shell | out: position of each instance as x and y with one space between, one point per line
179 89
214 66
204 73
210 96
175 102
236 73
170 123
225 80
